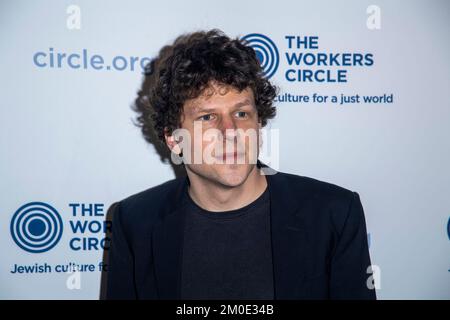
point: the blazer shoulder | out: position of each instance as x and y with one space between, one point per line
315 188
140 210
325 199
153 195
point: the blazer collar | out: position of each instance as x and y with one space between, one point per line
167 237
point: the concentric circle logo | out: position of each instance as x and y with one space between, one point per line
36 227
266 52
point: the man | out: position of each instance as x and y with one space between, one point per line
232 228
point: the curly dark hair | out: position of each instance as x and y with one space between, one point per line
183 71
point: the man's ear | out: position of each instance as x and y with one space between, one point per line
260 133
259 124
171 142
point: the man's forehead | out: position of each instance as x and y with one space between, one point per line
214 99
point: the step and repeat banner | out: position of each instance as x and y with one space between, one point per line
363 103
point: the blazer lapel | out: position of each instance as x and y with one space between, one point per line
167 245
287 237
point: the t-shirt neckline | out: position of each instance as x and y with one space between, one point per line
228 214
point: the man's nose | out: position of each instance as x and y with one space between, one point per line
228 127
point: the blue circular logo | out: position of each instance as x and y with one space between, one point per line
266 52
36 227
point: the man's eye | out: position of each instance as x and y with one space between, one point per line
242 114
205 117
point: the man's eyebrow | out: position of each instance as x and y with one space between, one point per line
198 110
237 105
243 103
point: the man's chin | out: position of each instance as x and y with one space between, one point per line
227 175
232 175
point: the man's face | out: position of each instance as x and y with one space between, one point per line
224 129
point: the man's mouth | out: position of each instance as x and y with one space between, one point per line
231 155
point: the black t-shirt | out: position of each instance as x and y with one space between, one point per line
227 255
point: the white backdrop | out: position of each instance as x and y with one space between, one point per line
67 138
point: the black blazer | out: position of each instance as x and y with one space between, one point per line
318 232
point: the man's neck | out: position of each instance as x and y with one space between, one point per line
214 197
